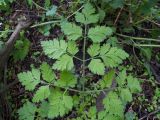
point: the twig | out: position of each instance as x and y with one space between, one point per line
75 12
45 23
38 5
5 52
146 45
138 38
154 112
144 80
154 22
119 13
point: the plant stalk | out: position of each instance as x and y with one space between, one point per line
45 23
84 56
138 38
147 45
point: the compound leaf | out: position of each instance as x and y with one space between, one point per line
47 73
60 104
112 56
42 93
94 50
64 63
54 48
87 15
27 112
96 66
72 31
67 79
99 33
29 79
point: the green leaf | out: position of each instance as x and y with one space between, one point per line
27 112
133 84
64 63
42 93
121 78
107 79
94 50
47 3
92 113
21 49
54 48
72 31
45 30
125 95
112 56
111 117
101 115
96 66
72 47
88 15
67 79
99 33
117 3
43 109
130 115
29 79
47 73
60 104
52 11
113 41
30 2
113 104
102 14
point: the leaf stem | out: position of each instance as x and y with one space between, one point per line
75 57
80 91
138 38
75 12
84 56
147 45
85 91
45 23
38 5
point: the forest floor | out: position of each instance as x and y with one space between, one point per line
144 61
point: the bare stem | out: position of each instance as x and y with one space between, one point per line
147 45
84 56
45 23
138 38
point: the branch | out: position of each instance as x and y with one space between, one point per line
5 52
